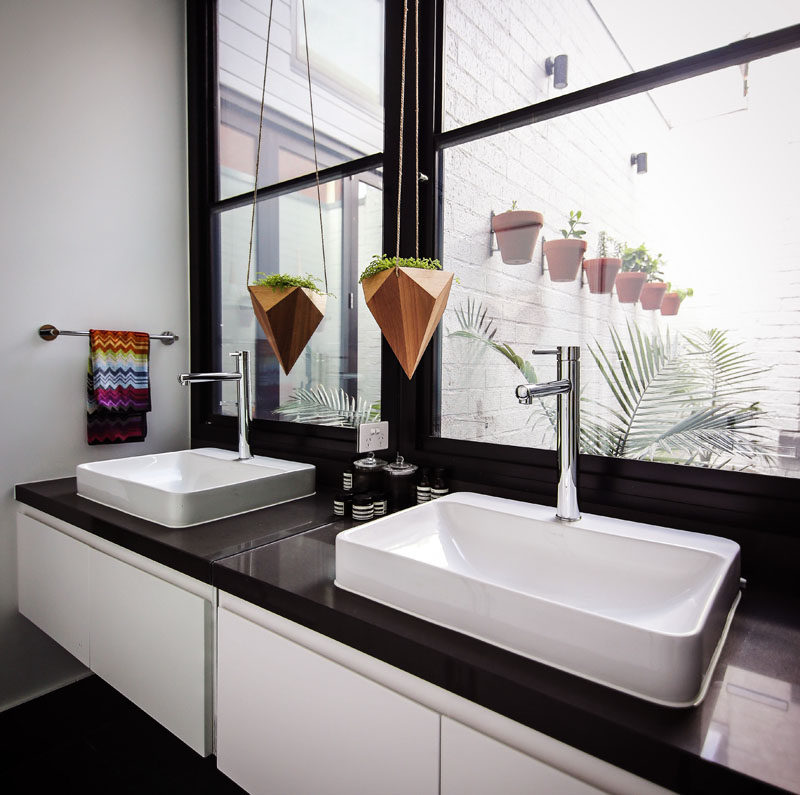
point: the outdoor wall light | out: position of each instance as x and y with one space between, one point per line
557 67
640 161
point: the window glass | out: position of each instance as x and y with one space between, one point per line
496 54
345 41
340 366
718 383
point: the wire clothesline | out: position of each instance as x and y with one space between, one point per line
49 333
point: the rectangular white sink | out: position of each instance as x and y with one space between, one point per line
190 487
636 607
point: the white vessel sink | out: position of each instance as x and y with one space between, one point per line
189 487
636 607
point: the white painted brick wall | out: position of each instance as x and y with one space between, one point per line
494 59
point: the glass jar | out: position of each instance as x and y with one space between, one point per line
400 485
368 474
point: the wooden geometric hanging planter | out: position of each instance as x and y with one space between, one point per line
408 304
288 316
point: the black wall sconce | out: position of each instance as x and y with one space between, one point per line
557 67
640 161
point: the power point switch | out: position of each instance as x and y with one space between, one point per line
373 436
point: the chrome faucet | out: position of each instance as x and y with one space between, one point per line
567 388
242 378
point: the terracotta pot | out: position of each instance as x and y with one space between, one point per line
288 316
517 232
601 272
407 304
652 295
629 286
564 258
671 304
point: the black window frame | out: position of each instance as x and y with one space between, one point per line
756 510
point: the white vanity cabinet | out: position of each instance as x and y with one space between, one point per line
290 720
298 712
144 628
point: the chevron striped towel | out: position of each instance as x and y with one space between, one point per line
117 386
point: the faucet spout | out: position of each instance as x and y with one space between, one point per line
567 390
243 389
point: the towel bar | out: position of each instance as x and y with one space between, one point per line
49 333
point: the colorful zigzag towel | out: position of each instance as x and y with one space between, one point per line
117 386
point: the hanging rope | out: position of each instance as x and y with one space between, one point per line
416 126
313 136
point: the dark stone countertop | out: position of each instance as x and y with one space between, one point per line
744 737
190 550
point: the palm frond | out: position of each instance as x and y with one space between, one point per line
322 405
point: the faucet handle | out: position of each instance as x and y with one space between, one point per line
563 352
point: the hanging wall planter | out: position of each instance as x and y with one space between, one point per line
407 303
517 232
564 255
601 271
652 295
638 265
288 310
673 300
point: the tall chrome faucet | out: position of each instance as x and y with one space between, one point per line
242 378
567 388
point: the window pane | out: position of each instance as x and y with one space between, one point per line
718 201
496 53
342 359
347 84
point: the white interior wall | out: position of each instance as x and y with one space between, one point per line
93 233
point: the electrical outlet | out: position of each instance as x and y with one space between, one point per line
373 436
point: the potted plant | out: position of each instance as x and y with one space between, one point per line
564 256
637 266
517 232
601 271
673 300
653 289
288 309
407 297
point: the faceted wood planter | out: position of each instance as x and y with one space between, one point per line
408 304
652 295
564 258
629 286
288 316
517 232
671 304
601 272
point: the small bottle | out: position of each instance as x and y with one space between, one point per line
343 503
380 504
438 485
363 507
423 487
347 479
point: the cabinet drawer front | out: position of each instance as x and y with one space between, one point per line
53 584
153 642
290 720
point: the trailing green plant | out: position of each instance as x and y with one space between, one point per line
284 280
607 246
574 220
640 260
322 405
385 263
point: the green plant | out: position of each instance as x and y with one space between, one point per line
322 405
513 205
607 246
573 221
682 401
384 263
283 280
682 294
640 260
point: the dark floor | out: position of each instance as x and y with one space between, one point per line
87 738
